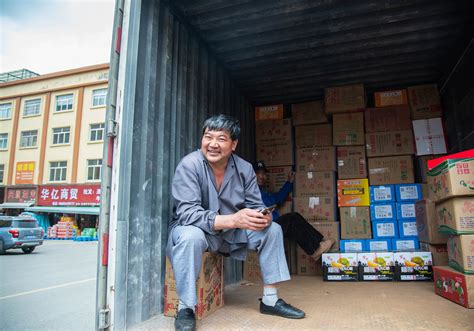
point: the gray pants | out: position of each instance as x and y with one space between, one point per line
186 245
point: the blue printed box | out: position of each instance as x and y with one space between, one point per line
405 244
352 245
406 211
382 193
384 229
378 245
407 228
383 212
408 192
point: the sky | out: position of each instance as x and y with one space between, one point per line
47 36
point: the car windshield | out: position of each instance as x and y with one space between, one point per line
24 224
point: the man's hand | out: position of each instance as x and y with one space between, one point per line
291 176
249 219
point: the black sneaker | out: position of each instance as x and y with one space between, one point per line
282 309
185 320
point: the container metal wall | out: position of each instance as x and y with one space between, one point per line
171 83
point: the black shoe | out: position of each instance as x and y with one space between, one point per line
185 320
282 309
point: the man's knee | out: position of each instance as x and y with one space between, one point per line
274 230
189 236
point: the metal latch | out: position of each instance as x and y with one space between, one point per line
112 128
104 316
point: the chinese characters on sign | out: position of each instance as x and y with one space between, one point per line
21 195
69 195
24 172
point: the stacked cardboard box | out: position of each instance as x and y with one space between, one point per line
451 185
274 142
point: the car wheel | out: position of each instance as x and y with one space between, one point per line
28 250
2 248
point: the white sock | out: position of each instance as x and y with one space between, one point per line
270 296
181 305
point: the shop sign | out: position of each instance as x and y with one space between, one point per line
24 172
69 195
20 194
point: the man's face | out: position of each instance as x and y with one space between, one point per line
217 146
261 177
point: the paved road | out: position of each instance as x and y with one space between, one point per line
52 288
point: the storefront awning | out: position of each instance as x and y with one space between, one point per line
65 210
15 205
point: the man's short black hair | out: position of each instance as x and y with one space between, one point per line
222 122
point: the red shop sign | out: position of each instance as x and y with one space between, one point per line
69 195
22 195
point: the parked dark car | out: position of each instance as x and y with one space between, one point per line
20 232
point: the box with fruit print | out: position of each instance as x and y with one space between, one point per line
413 266
340 267
454 285
376 266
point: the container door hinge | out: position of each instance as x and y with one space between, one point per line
104 316
112 128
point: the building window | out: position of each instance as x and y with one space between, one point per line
29 138
32 107
61 135
57 171
93 169
96 132
99 97
64 102
2 172
5 111
3 140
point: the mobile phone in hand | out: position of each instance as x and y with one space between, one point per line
267 210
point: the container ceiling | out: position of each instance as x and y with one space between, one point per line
289 50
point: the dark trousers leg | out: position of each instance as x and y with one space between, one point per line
297 229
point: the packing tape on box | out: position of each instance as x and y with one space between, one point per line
313 201
310 175
377 170
340 163
353 212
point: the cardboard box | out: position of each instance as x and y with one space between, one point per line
413 266
424 101
313 135
450 178
355 223
383 212
316 208
353 192
439 252
378 245
429 137
454 286
408 192
392 118
376 266
277 177
252 267
382 193
273 131
344 98
348 129
391 98
306 265
421 167
275 154
209 286
407 229
308 113
427 223
314 184
456 216
316 159
271 112
461 253
406 211
352 245
340 267
391 170
426 191
405 244
330 230
389 143
351 162
385 229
